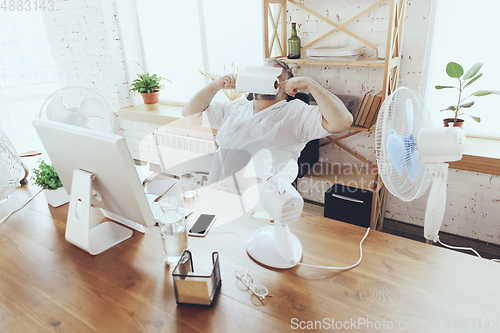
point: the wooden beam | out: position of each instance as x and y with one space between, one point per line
265 28
334 140
337 26
362 159
275 29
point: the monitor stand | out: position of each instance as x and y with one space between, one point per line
78 231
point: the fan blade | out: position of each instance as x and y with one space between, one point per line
413 165
92 107
57 111
409 114
290 171
395 147
251 197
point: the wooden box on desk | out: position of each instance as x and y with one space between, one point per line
357 195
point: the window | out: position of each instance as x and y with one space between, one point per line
182 38
465 32
28 75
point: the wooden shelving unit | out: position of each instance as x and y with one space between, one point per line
275 34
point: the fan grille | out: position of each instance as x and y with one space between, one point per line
79 106
393 116
11 170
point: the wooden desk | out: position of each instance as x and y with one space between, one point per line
47 284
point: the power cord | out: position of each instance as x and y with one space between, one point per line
465 248
347 267
19 208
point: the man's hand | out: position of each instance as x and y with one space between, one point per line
293 85
226 82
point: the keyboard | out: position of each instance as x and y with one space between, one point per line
158 212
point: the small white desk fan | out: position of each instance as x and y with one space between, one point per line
274 245
411 154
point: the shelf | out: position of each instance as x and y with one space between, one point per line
347 175
362 129
365 62
160 114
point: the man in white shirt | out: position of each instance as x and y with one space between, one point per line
269 121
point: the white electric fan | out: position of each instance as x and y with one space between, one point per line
12 170
79 106
274 245
411 154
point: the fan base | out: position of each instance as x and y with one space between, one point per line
261 247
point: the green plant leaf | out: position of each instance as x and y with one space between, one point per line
454 70
473 80
472 71
449 108
467 104
46 177
476 119
482 93
444 87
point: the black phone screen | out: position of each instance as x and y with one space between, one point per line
201 225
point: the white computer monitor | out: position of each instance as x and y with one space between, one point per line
96 169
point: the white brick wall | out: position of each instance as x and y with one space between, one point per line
87 46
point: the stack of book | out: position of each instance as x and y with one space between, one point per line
368 111
335 53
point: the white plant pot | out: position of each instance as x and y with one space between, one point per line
56 198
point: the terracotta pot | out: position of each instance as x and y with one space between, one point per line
447 122
151 98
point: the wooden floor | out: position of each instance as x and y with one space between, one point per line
313 209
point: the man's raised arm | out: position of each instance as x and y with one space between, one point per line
201 100
336 117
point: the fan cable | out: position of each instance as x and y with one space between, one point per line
347 267
19 208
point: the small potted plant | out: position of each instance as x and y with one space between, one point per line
148 86
456 71
46 177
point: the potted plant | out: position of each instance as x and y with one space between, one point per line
456 71
46 177
148 86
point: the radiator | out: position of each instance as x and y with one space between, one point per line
179 154
185 143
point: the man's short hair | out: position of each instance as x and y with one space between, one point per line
275 62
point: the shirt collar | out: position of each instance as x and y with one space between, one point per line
274 106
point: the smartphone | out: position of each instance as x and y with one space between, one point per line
202 225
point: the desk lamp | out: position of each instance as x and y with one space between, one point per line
274 245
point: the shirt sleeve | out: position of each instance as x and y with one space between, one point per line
310 122
213 115
216 112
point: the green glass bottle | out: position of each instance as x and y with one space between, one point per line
293 44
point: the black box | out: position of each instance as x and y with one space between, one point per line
349 204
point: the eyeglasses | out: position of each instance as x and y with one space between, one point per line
257 290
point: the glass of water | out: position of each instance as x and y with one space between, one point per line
173 229
189 185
